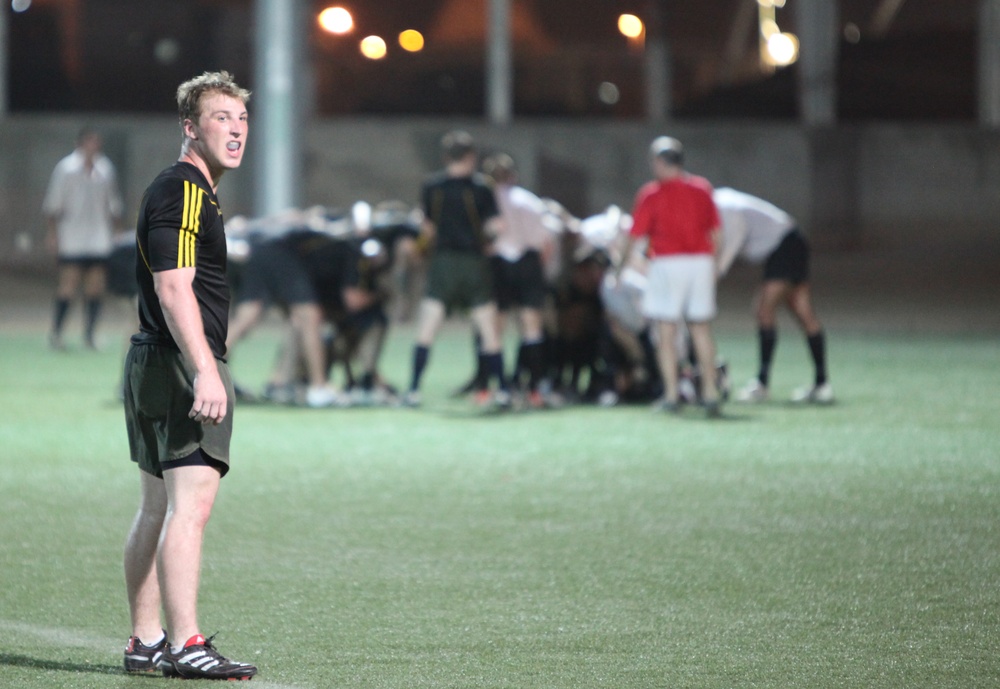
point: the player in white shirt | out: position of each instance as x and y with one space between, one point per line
83 209
521 250
759 232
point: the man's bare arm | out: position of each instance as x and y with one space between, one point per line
180 308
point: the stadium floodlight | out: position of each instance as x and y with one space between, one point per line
373 47
411 41
336 20
783 48
631 26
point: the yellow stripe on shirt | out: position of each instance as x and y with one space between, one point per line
190 222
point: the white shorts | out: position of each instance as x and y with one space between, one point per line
680 288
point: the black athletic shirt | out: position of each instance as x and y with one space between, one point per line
459 207
180 226
333 264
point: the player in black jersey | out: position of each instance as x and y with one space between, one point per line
461 222
178 391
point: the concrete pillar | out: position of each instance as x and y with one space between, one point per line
499 61
656 66
276 105
4 61
989 63
819 38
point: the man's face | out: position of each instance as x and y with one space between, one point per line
90 145
221 130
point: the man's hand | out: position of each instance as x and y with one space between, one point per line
210 401
180 309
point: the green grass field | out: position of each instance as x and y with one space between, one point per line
851 546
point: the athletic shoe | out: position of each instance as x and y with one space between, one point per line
140 658
665 405
817 394
499 399
686 389
608 398
280 394
319 396
383 395
753 392
199 660
502 399
411 399
713 410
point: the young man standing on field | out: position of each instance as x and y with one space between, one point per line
461 220
178 390
83 208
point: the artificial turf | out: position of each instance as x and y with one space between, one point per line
856 545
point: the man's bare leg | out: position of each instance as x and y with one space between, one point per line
191 492
704 349
141 582
666 355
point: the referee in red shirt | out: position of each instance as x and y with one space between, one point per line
676 213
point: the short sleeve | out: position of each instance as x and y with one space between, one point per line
173 222
54 195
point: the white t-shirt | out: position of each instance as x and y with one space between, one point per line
623 299
525 225
751 227
85 204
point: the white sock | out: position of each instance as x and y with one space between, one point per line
159 639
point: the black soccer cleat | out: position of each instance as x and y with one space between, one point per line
142 659
199 660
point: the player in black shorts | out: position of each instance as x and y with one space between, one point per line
520 253
178 392
315 278
759 232
461 221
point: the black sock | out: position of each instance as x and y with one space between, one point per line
59 316
494 367
93 311
531 355
421 355
768 338
817 349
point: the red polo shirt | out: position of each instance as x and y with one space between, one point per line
678 216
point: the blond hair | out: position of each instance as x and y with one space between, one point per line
191 92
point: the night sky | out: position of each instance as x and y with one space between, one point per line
63 58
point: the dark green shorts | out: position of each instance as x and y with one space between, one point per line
159 392
460 279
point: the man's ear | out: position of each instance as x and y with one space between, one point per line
190 130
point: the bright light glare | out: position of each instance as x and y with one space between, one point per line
411 40
630 26
768 27
336 20
373 47
20 5
783 48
